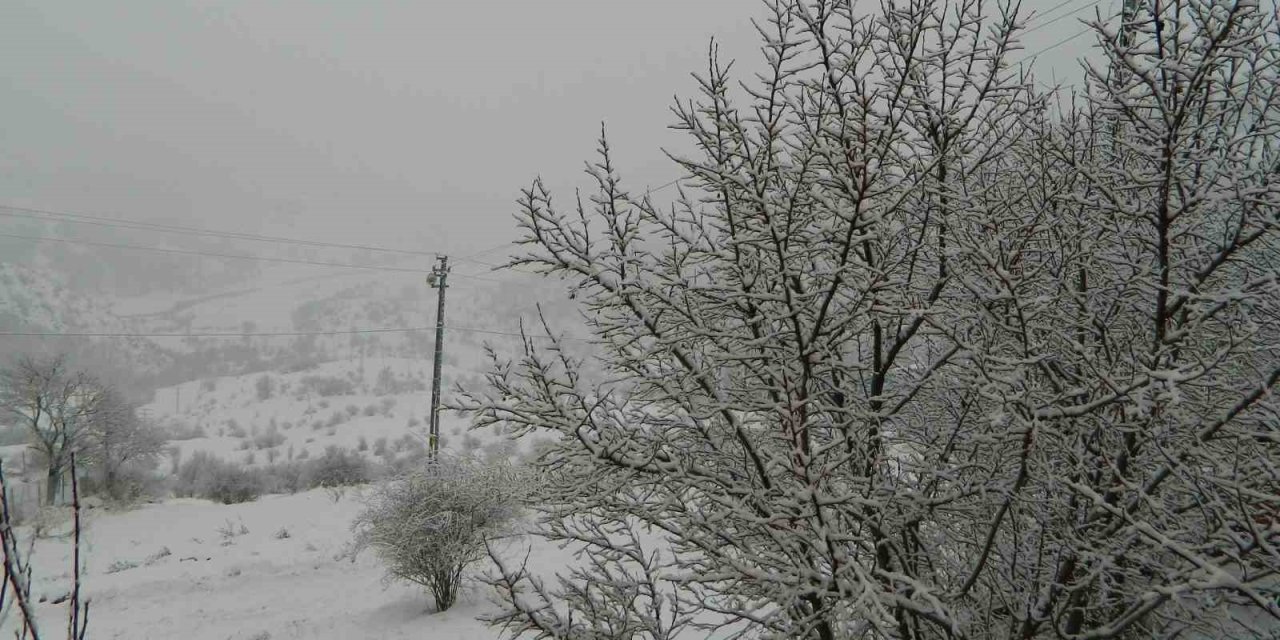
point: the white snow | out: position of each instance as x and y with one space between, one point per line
253 585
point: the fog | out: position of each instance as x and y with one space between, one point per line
399 124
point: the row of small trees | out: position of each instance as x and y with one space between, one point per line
922 350
67 411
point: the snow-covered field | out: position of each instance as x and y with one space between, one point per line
236 420
195 570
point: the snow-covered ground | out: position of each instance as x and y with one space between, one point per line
236 420
195 570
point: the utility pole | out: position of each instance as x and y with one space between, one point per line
437 280
1117 72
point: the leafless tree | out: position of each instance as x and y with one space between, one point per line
57 404
919 351
119 440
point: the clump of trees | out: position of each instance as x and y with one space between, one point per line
65 412
207 476
921 350
432 523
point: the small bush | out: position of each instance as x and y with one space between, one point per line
264 387
211 478
268 439
230 530
180 431
121 565
362 444
157 556
328 386
286 477
430 525
371 410
338 468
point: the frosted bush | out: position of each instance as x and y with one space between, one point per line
430 525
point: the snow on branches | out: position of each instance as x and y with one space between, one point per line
918 353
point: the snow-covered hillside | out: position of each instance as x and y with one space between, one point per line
275 569
36 301
377 406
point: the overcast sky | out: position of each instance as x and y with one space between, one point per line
392 121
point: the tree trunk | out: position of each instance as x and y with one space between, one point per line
109 481
53 486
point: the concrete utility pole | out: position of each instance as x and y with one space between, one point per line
437 280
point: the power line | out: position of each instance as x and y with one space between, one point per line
234 256
1055 45
102 221
1051 10
663 186
1073 36
1063 16
471 256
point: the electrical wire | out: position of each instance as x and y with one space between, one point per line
120 223
235 256
102 221
1061 17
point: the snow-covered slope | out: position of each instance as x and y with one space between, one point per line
35 301
273 569
377 406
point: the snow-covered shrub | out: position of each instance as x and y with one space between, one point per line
264 387
268 439
120 565
285 477
430 525
206 476
337 468
328 386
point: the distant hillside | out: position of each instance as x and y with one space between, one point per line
36 301
364 315
379 410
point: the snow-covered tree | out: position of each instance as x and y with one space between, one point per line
919 352
120 444
57 404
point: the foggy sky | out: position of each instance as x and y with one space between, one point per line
399 123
